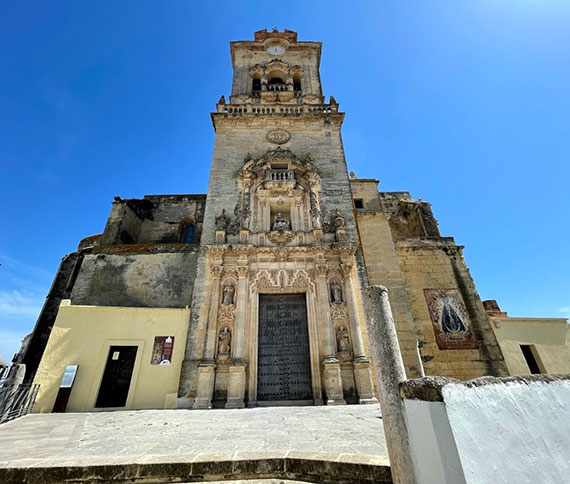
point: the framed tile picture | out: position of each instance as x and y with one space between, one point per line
450 319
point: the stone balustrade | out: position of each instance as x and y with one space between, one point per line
277 109
280 175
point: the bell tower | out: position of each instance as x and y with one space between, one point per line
275 68
277 312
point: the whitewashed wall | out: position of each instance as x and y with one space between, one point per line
491 430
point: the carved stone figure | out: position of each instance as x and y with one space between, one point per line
224 342
338 220
336 293
222 221
343 342
228 297
281 223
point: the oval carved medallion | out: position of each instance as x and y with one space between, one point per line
278 136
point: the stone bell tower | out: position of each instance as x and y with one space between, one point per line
277 313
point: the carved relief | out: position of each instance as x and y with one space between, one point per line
337 219
281 237
338 311
281 223
228 295
278 136
336 293
281 280
222 221
216 271
224 344
343 343
277 190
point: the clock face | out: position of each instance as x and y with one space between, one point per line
275 49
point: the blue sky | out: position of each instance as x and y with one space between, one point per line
463 103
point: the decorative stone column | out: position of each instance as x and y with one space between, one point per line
236 377
331 364
361 364
206 369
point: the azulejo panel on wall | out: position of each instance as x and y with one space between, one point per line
450 319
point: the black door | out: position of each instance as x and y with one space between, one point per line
284 363
117 377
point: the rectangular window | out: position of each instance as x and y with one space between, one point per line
528 352
358 203
162 350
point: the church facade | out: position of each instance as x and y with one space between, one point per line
252 294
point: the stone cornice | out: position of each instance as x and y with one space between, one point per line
264 120
237 250
130 249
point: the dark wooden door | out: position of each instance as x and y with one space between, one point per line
283 362
116 381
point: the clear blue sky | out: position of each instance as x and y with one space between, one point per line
463 103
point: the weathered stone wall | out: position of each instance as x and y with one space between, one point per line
439 264
137 280
60 289
155 219
403 251
382 268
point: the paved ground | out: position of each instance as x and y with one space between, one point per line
352 434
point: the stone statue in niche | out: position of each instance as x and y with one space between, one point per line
224 343
222 221
228 295
336 293
343 342
338 221
281 223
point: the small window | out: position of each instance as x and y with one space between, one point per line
188 234
529 356
256 85
296 82
358 203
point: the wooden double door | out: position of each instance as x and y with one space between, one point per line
283 358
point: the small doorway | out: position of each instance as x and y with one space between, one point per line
116 381
284 361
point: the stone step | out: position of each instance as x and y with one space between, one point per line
285 470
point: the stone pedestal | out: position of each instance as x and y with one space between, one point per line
340 234
333 383
205 386
236 386
363 381
220 236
